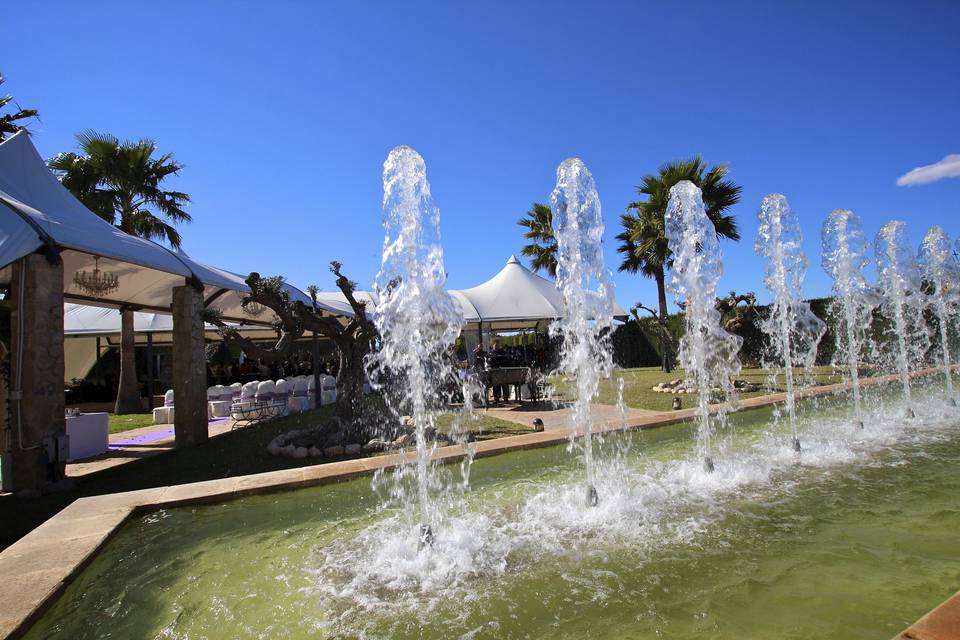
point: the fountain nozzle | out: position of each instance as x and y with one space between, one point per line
426 537
592 497
859 424
796 445
953 402
910 413
708 464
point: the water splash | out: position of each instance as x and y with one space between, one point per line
588 303
843 257
940 273
792 329
707 351
902 301
417 319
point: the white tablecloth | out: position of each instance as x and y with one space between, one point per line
88 435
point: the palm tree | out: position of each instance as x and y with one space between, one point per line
8 121
122 183
643 242
543 246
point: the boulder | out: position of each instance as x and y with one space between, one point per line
300 452
405 440
315 452
352 449
375 445
334 451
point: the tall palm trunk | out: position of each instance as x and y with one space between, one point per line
128 395
666 344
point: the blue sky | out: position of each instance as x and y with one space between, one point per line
284 113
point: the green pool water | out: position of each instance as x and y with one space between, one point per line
855 539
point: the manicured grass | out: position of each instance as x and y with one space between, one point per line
638 383
483 427
129 421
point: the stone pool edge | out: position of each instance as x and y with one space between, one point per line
37 568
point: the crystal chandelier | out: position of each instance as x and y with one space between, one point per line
98 283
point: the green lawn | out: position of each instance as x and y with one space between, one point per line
129 421
483 427
638 383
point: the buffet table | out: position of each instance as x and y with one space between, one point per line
88 435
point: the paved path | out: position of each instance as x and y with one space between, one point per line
556 415
127 446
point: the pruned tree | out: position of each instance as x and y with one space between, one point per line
730 309
353 337
668 346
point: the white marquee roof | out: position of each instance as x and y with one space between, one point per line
86 320
514 298
36 210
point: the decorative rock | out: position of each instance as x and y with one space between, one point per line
300 452
314 452
288 450
405 440
333 452
352 449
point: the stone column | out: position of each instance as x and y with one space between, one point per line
36 391
189 368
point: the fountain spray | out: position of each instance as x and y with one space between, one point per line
843 257
941 274
792 329
417 319
903 304
707 352
588 302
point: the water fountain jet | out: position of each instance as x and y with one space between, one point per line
843 257
940 272
792 329
588 304
902 301
417 319
707 351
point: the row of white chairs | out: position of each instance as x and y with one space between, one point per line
291 395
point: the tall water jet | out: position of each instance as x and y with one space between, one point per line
793 331
417 319
707 351
941 275
902 300
843 257
588 302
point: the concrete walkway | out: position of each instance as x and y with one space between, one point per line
127 446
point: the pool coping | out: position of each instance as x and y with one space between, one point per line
38 567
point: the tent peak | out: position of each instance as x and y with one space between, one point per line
513 260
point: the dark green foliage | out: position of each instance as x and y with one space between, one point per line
9 122
542 249
122 182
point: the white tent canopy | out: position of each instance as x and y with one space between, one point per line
515 294
36 210
515 298
86 320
